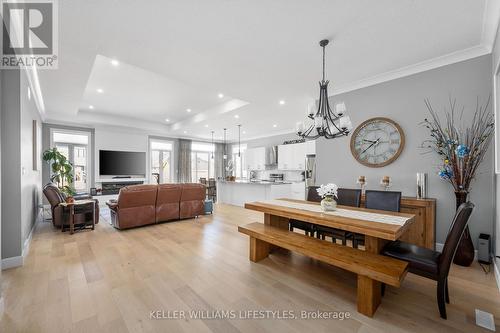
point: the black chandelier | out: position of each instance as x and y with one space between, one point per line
326 123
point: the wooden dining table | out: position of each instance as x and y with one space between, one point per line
377 234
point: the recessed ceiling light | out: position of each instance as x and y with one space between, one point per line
244 132
206 125
185 132
167 120
221 95
100 91
115 62
188 110
236 116
282 102
275 125
91 107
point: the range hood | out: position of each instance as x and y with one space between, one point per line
272 155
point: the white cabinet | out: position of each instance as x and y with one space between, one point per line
311 147
292 157
298 191
256 158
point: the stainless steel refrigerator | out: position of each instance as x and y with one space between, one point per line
310 172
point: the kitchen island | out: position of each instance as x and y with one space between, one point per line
241 191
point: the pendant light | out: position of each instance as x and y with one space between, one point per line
225 155
239 140
212 145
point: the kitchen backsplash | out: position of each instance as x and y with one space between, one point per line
292 176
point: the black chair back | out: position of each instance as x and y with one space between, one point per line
203 181
454 235
349 197
312 194
383 200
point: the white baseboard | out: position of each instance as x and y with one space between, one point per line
439 247
497 272
12 262
19 260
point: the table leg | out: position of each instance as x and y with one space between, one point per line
374 244
276 221
71 219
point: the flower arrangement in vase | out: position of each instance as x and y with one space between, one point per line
461 150
329 193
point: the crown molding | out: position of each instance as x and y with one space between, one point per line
423 66
491 19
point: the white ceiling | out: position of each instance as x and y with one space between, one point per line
180 54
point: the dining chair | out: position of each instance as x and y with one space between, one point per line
308 228
345 197
203 181
381 200
432 264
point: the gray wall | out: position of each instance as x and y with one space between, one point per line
11 171
495 64
31 180
22 183
403 101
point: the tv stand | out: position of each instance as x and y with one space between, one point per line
121 177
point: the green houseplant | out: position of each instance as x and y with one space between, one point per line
461 149
61 171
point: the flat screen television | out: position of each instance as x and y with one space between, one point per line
122 163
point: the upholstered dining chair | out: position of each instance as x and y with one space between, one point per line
312 195
381 200
345 197
432 264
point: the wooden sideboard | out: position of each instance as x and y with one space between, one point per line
423 231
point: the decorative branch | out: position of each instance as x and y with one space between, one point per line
461 149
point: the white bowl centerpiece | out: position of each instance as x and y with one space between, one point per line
329 193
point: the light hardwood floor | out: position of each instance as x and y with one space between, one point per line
108 281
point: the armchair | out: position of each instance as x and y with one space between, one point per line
59 214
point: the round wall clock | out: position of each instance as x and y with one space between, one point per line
377 142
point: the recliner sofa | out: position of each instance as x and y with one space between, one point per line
139 205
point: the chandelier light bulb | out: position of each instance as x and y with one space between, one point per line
340 108
318 121
311 109
299 127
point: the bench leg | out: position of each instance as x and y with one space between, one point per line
368 295
258 249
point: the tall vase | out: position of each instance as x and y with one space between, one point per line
465 251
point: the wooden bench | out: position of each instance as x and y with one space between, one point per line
372 269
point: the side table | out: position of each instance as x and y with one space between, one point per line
71 207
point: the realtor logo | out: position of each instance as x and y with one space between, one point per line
29 34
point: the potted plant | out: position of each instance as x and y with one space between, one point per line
329 193
61 172
461 150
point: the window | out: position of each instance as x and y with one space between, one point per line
239 162
202 163
74 145
161 153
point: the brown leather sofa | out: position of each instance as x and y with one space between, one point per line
139 205
60 215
